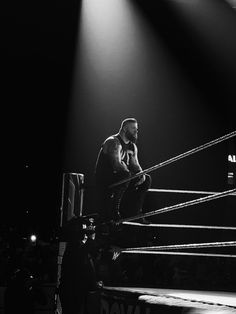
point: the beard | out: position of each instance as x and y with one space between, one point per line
132 138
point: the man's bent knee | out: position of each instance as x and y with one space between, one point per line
147 183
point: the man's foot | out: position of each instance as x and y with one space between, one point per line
143 221
116 216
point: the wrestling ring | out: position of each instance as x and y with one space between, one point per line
131 300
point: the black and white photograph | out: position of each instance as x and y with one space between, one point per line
118 157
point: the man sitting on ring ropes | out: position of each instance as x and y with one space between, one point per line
118 160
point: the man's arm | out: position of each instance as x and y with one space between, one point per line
135 166
112 148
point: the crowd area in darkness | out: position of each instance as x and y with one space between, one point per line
39 258
19 251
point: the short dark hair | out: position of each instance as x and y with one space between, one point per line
127 121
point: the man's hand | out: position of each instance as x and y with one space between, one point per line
141 179
99 284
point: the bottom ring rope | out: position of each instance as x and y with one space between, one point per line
176 253
185 246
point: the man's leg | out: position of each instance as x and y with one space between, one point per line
103 203
134 197
109 199
118 192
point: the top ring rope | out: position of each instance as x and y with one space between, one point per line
178 206
173 159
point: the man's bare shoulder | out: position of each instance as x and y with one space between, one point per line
135 147
111 144
112 140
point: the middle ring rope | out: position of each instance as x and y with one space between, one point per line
179 226
183 191
179 206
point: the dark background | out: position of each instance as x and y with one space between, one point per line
38 57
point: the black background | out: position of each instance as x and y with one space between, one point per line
38 48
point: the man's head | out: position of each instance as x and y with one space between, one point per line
129 127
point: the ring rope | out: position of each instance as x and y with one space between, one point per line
179 226
177 253
179 206
173 159
185 191
184 246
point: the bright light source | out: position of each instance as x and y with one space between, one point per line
33 238
117 54
110 38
